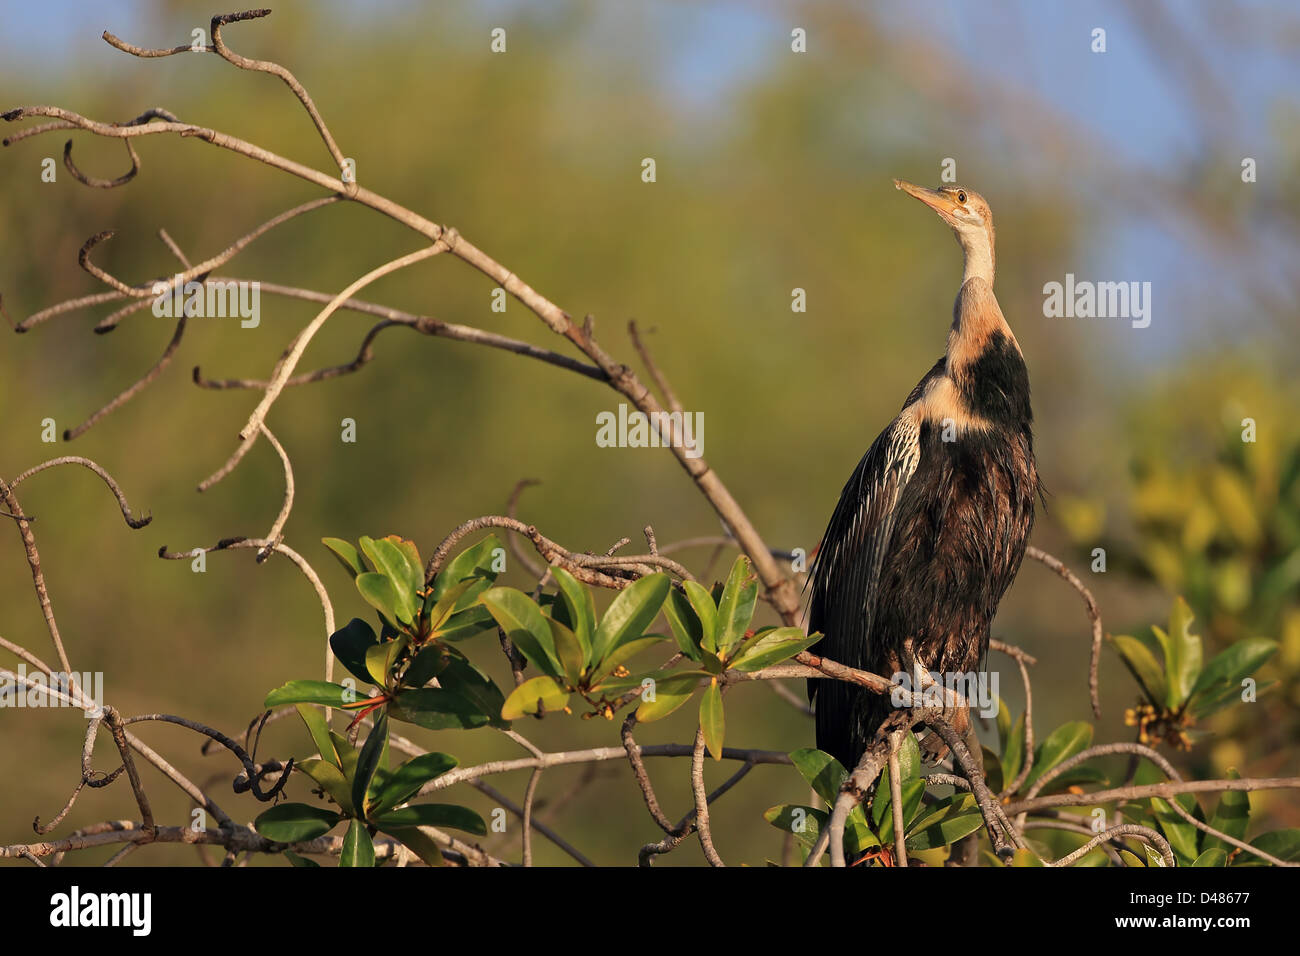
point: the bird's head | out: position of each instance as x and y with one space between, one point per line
969 216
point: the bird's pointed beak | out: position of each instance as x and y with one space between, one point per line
939 202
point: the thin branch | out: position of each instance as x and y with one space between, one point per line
276 534
1094 615
642 776
530 793
94 182
660 380
150 291
1134 829
686 826
275 69
299 561
131 391
512 541
290 361
593 755
1028 759
108 480
1162 790
702 801
1141 750
896 799
495 794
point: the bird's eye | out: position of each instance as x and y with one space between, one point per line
961 196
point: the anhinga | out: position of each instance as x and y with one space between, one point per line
931 528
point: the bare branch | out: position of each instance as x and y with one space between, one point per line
1094 615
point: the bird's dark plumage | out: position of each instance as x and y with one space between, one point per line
931 528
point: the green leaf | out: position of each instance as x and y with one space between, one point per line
712 719
882 814
418 842
684 622
392 558
301 861
909 758
347 757
736 608
1013 754
670 693
1231 817
1212 857
1144 667
1283 844
857 833
953 818
425 666
414 564
624 653
381 657
381 593
1153 856
525 698
372 752
581 607
350 644
295 822
433 815
992 767
474 562
1214 700
347 555
569 650
1004 725
438 609
1183 653
629 615
1182 836
1131 859
461 677
322 692
330 779
358 848
436 709
1063 743
805 823
707 613
525 625
822 772
404 782
1232 665
775 646
320 732
470 622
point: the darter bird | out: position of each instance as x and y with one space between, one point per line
931 528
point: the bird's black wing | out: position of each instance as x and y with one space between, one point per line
845 586
846 572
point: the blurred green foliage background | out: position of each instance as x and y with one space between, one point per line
780 181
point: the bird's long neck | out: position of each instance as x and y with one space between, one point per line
984 361
977 320
977 247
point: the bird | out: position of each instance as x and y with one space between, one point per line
931 527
